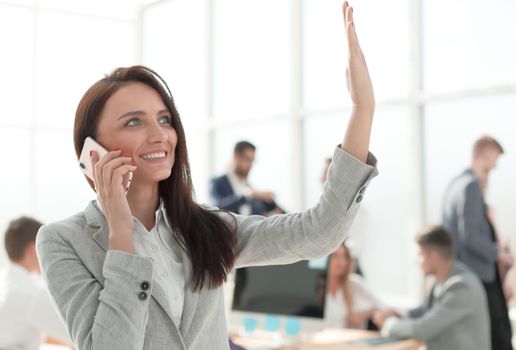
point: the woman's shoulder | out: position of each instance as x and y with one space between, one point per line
360 288
224 215
357 280
63 229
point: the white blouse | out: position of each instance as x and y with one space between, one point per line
159 245
335 309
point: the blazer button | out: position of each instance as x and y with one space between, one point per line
145 285
142 296
359 199
362 190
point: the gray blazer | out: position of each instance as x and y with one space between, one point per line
455 319
107 298
465 216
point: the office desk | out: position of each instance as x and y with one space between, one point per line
331 339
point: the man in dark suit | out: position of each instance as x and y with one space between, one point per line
465 216
232 191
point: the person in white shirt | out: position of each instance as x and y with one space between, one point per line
348 302
27 316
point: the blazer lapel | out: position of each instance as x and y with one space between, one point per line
96 220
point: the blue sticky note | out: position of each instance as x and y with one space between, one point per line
250 324
292 326
272 323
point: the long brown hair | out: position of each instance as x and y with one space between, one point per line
209 241
344 281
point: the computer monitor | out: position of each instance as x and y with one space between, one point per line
297 289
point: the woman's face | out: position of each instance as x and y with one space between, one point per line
339 262
136 120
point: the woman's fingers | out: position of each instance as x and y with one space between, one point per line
357 76
117 180
344 12
349 22
104 169
99 164
109 167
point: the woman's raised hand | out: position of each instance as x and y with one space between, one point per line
357 75
111 173
358 133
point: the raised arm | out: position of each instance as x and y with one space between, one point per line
283 239
358 133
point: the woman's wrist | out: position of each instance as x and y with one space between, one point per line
121 242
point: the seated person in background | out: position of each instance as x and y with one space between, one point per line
26 314
348 303
455 314
232 191
324 178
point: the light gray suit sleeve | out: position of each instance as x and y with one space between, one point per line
108 316
470 225
283 239
417 312
454 305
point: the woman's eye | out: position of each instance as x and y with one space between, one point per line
133 122
165 120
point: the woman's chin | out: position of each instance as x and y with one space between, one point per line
154 177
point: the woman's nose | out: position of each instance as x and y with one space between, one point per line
157 134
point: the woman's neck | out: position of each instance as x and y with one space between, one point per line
144 201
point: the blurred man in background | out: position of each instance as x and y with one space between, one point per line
455 314
465 215
233 192
27 316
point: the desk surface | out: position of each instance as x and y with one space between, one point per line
47 346
331 339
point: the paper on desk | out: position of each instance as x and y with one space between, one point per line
332 336
259 340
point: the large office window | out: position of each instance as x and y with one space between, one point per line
448 152
52 52
274 73
470 79
469 45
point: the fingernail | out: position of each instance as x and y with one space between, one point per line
116 149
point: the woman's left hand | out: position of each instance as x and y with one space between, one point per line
357 75
358 133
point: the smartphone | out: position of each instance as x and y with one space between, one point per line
85 159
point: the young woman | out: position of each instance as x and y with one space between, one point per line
348 302
144 270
